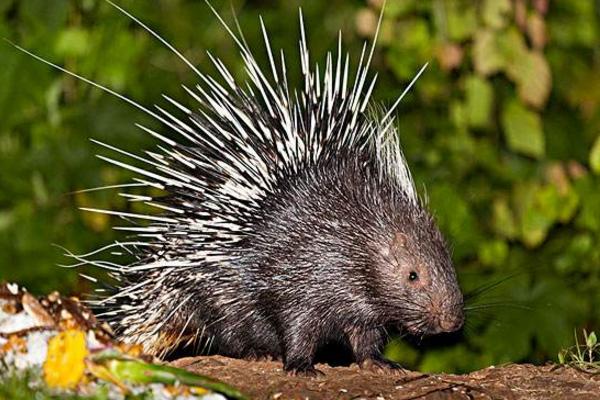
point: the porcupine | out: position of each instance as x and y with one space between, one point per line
290 220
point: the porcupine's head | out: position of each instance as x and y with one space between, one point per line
420 290
415 281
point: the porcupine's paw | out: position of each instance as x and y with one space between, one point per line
261 357
300 344
363 342
382 366
302 367
310 372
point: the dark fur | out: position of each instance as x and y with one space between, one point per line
329 260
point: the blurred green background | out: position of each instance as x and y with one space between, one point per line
503 131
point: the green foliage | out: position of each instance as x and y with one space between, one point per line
523 129
585 355
503 129
19 386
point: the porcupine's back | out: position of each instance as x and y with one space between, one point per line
268 191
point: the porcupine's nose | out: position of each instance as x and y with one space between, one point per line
447 316
451 323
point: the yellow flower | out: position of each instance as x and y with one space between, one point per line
65 361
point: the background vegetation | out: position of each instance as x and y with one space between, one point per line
503 129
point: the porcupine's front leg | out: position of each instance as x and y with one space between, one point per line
366 345
300 341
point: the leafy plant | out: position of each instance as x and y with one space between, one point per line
585 355
18 386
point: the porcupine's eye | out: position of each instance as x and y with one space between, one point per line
413 276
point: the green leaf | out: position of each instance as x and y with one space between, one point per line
561 356
395 9
595 156
569 203
479 94
458 115
549 201
132 370
487 57
575 25
493 252
415 33
591 340
7 218
460 21
523 130
73 42
495 13
455 217
575 254
503 219
511 44
588 217
534 211
534 227
532 75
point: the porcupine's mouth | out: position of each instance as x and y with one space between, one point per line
412 327
413 330
421 328
427 328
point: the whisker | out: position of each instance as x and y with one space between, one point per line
497 305
488 287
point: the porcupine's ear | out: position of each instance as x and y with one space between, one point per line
399 241
396 244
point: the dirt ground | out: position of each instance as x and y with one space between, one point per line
265 380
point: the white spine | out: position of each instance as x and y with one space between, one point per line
251 136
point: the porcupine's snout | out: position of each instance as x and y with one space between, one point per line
446 315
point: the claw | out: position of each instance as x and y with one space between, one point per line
310 372
383 366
